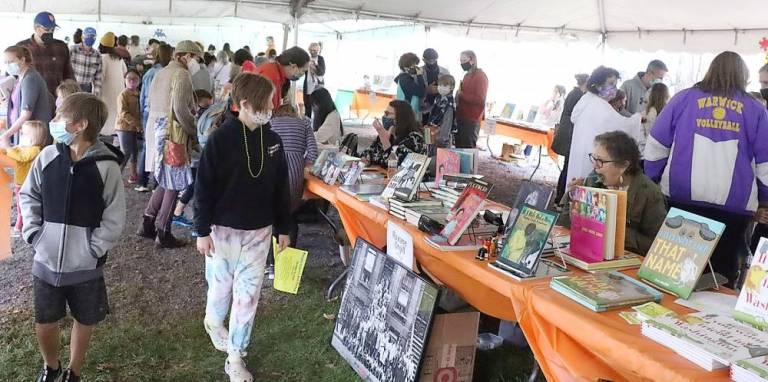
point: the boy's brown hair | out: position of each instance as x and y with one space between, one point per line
201 94
39 134
255 89
86 107
447 79
68 87
285 110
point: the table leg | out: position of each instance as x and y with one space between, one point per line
538 164
335 284
328 220
488 144
534 372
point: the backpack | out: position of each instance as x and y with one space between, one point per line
209 120
349 145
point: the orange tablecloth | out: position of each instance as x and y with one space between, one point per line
374 103
6 196
528 135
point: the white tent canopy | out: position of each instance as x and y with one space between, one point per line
680 25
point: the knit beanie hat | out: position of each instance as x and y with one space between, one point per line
108 40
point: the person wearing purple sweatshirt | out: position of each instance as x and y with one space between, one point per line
709 152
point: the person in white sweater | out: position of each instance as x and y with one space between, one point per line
326 120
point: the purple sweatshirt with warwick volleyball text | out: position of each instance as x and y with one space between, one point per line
711 151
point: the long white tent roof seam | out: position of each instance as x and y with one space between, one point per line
678 25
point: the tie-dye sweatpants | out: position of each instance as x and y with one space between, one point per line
234 273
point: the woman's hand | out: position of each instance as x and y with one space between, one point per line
205 246
283 241
761 216
575 182
377 125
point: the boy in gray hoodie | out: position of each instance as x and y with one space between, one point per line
73 206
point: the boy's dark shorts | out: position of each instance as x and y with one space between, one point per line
87 301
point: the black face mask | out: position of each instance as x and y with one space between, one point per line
764 93
466 66
47 37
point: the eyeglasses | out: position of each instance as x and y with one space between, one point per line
599 163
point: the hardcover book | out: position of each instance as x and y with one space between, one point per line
470 202
603 291
750 370
321 162
446 162
405 182
752 306
532 194
680 252
598 219
526 239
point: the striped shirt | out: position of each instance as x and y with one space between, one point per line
300 149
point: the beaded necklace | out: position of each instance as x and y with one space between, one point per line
248 153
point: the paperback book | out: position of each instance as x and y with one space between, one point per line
320 167
680 252
598 219
526 239
627 260
351 172
465 210
603 291
447 162
752 306
342 166
532 194
750 370
405 182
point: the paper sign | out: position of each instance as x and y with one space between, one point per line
289 266
399 245
490 127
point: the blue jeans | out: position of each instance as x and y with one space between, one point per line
143 174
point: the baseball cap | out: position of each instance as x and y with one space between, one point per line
46 20
89 31
430 54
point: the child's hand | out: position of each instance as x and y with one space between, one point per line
761 216
283 241
205 246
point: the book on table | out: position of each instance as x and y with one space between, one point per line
405 182
680 252
469 160
446 162
530 193
341 166
752 306
603 291
750 370
710 340
465 210
322 162
351 170
626 260
526 239
363 192
598 219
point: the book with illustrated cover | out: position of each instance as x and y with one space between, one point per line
750 370
532 194
469 160
351 171
603 291
321 162
336 165
598 220
405 182
446 162
680 252
526 239
470 202
752 306
627 260
710 340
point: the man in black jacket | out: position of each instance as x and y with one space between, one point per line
314 78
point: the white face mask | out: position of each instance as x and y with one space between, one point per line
443 90
260 117
193 66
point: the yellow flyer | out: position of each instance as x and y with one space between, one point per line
289 266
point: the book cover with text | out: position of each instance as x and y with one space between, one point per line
752 306
526 239
447 162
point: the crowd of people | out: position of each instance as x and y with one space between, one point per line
220 132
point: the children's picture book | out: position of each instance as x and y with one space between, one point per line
680 252
603 291
408 185
508 111
526 239
752 306
446 162
710 340
750 370
530 193
470 159
470 202
598 219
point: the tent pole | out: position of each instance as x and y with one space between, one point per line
286 31
296 29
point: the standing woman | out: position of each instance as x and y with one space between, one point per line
242 169
658 98
327 121
30 99
561 144
288 66
399 129
172 101
113 71
709 151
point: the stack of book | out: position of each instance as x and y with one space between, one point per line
750 370
436 213
627 260
448 195
399 208
710 340
604 291
363 192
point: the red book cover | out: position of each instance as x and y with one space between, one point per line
447 162
465 210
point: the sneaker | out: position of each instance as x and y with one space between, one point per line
182 221
270 272
133 179
49 375
219 336
236 370
70 376
194 233
141 189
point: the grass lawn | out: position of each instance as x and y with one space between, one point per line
290 342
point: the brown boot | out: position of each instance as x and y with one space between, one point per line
147 229
165 240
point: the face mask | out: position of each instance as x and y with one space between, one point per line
59 132
656 81
466 66
443 90
608 92
13 69
260 117
47 37
764 93
387 122
89 41
193 66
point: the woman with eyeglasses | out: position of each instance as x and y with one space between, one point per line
616 165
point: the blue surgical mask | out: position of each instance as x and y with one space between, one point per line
89 41
59 132
13 68
387 122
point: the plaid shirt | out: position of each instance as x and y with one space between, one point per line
87 67
51 60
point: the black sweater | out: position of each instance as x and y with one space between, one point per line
225 192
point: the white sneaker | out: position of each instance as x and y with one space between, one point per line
219 337
235 368
270 271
